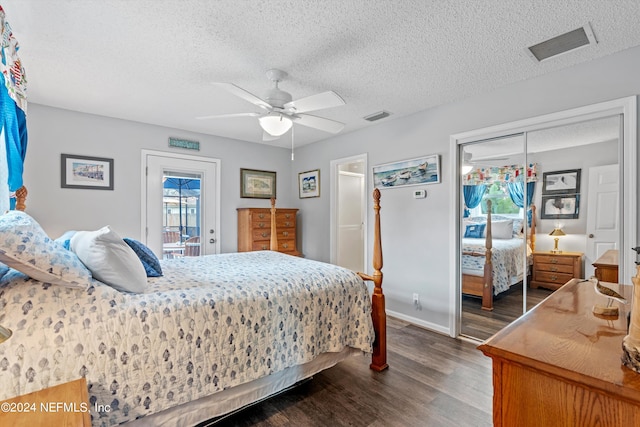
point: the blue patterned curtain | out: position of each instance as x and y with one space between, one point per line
516 192
472 196
13 123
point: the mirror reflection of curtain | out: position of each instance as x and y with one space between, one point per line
472 196
516 192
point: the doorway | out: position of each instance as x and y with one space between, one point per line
180 204
539 134
348 212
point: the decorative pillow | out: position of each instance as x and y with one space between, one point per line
502 229
65 239
3 270
148 259
518 228
110 259
475 231
26 247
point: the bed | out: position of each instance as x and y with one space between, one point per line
210 336
492 265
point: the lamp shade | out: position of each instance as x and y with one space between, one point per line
557 232
275 124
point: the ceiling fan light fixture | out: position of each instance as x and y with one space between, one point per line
275 124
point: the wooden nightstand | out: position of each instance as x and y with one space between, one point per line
552 270
607 266
61 405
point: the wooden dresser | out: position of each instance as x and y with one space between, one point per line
559 364
552 270
254 230
607 266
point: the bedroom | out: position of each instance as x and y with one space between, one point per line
408 222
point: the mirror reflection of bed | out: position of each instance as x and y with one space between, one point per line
586 145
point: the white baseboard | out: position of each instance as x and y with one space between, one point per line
419 322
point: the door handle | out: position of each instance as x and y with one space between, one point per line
212 240
591 236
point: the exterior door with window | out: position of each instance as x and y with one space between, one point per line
180 204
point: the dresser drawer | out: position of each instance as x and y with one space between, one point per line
553 259
549 277
260 234
555 268
281 222
283 245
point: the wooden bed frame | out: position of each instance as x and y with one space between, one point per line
378 313
482 286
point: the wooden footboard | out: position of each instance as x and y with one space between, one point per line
378 313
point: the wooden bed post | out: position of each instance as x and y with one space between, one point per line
21 197
532 229
273 245
378 313
487 289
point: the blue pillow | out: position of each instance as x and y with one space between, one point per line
65 239
147 257
4 269
475 231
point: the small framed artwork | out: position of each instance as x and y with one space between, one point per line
309 184
561 182
562 206
419 171
95 173
257 184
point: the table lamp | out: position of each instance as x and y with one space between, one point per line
556 233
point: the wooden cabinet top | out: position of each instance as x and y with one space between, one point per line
562 337
563 253
268 210
610 257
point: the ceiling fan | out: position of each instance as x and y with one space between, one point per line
280 111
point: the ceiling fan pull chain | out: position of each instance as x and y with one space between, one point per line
292 156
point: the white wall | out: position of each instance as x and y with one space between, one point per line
54 131
415 232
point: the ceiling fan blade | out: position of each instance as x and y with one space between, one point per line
319 101
316 122
225 116
247 96
269 137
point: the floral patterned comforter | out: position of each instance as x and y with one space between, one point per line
209 323
507 258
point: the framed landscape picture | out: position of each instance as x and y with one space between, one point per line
95 173
418 171
309 184
257 184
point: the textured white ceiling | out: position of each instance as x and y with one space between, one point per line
153 61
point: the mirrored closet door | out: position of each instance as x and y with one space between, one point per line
550 201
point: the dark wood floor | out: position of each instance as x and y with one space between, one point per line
433 380
507 307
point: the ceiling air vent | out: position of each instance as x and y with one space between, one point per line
377 116
563 43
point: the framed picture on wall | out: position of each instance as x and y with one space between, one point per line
309 184
561 182
257 184
562 206
94 173
419 171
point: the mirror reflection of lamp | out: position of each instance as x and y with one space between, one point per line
4 334
556 233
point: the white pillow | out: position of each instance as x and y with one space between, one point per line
501 229
110 259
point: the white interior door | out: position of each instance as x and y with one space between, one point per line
201 215
603 215
350 221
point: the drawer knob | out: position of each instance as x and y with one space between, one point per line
285 233
554 277
264 247
554 261
261 216
554 269
285 245
261 224
264 234
287 224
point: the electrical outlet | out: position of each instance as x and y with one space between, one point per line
416 299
